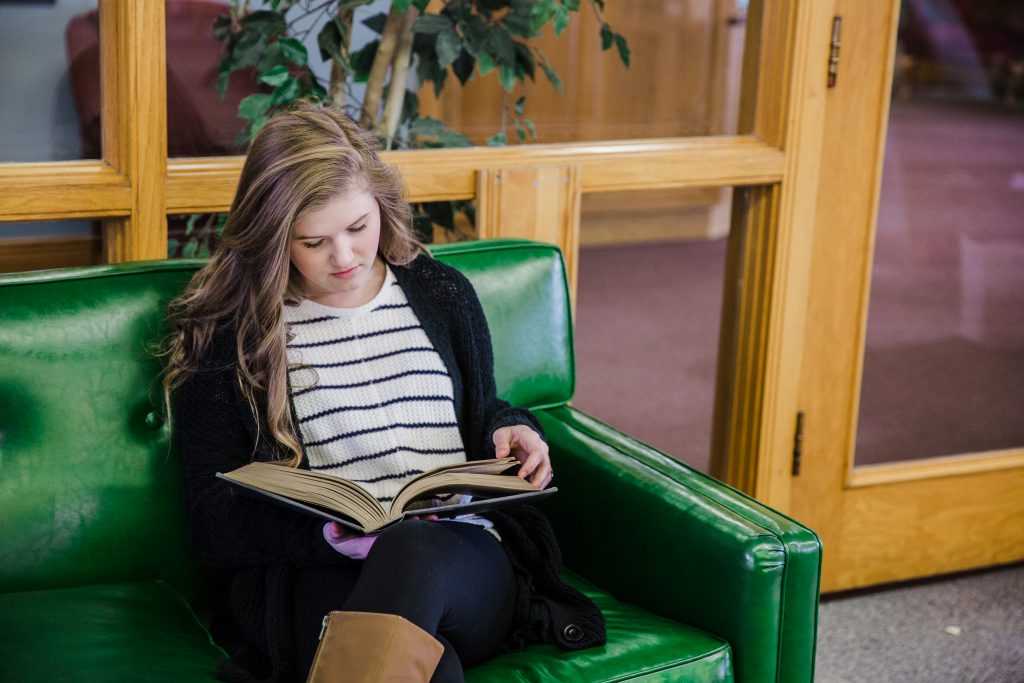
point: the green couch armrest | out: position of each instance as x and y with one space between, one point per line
661 535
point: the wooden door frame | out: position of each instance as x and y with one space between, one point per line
889 522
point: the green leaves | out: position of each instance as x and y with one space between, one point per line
294 51
361 61
275 76
448 46
254 106
427 127
609 37
329 41
561 19
265 22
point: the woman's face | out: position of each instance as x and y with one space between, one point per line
335 249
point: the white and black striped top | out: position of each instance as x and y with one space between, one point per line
373 398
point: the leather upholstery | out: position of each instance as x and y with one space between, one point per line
716 585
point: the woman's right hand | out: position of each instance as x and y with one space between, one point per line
348 543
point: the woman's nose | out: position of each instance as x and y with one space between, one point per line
341 252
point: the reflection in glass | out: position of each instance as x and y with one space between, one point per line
194 235
944 362
684 78
648 311
46 50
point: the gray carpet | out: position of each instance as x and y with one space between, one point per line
965 628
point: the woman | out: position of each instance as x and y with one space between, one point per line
321 335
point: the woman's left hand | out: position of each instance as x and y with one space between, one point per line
529 449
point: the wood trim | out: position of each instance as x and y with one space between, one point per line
868 227
207 184
752 446
535 202
35 253
133 67
933 468
745 311
202 184
62 190
925 527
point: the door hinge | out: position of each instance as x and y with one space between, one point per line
798 443
833 54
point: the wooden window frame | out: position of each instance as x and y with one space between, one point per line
135 187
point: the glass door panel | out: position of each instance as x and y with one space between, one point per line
944 358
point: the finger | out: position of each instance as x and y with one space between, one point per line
501 439
425 518
532 463
524 442
542 475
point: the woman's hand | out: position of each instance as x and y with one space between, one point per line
348 543
529 449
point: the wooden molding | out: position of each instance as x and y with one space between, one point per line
133 68
533 202
62 190
933 468
207 184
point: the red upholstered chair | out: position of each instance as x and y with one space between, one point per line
199 122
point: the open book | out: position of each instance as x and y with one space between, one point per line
346 502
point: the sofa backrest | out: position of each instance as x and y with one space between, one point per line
89 492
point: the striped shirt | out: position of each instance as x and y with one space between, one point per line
373 398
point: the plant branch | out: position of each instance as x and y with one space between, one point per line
399 75
339 74
378 72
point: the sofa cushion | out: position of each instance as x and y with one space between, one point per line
146 631
141 631
641 647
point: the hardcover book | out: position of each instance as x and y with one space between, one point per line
491 483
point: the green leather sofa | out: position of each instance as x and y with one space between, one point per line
98 583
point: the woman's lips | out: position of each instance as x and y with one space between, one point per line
345 274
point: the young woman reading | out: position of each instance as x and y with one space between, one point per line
322 335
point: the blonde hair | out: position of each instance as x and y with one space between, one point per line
301 159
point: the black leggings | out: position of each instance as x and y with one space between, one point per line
451 579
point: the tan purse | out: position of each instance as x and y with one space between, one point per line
365 647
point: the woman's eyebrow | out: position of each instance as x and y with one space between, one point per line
316 237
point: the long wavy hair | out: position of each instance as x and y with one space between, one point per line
300 160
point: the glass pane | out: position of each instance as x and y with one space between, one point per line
49 77
199 121
193 235
651 276
48 244
944 363
684 78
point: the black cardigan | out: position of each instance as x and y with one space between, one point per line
255 545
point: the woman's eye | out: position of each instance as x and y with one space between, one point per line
358 229
312 245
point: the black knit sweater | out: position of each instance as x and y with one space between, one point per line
255 545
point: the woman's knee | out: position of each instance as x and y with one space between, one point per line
412 542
